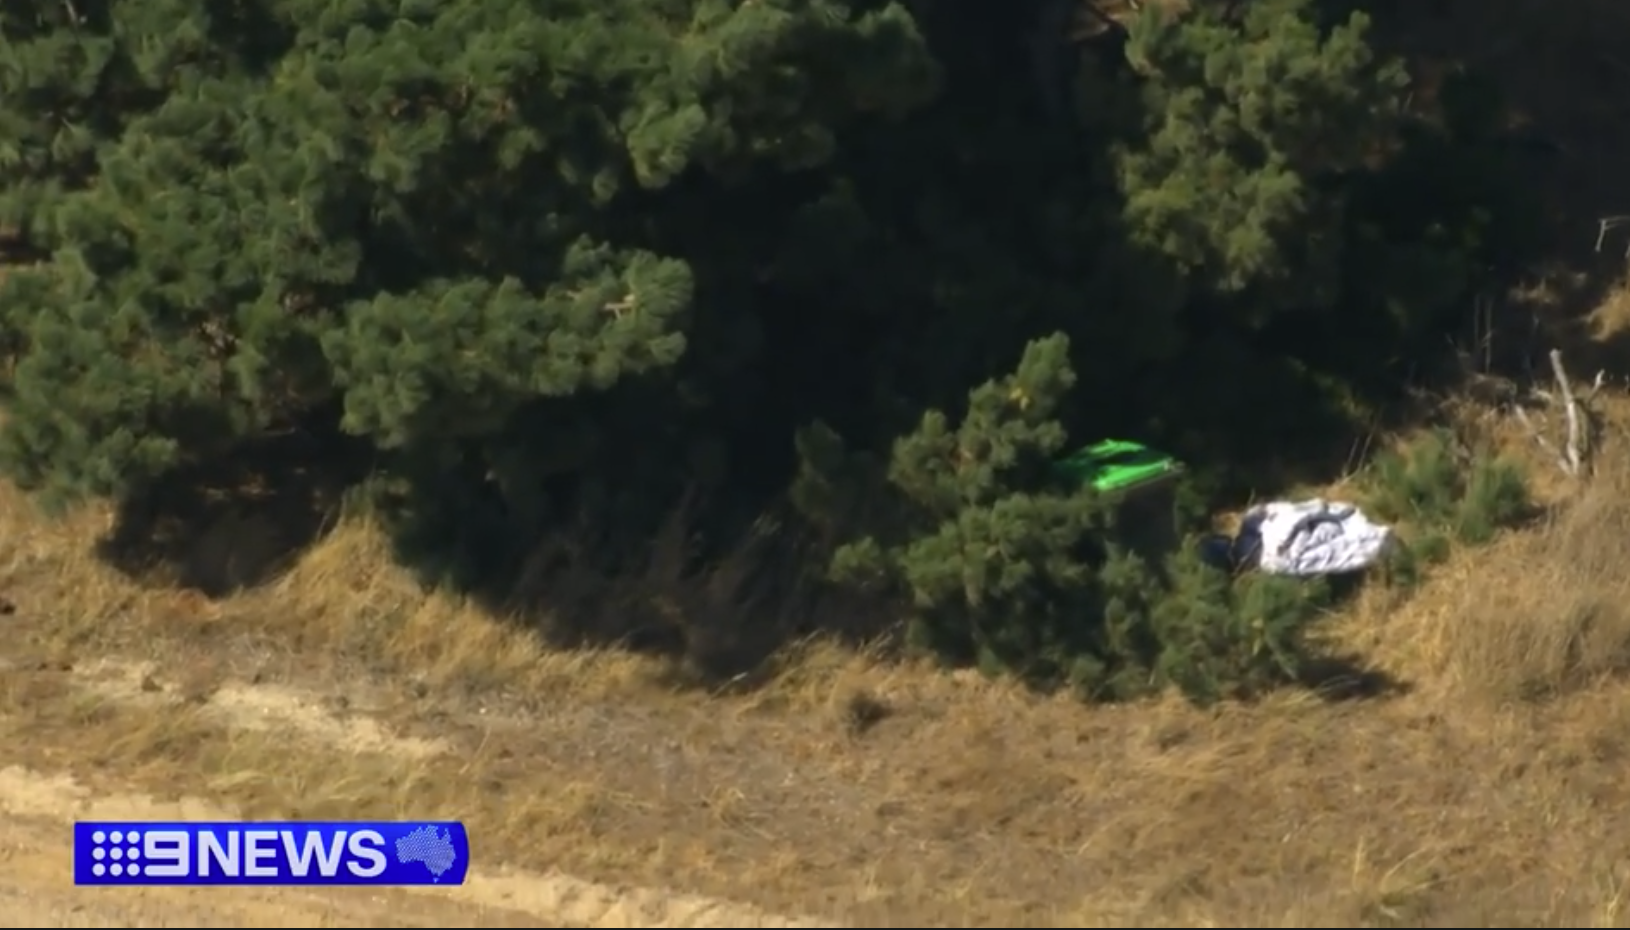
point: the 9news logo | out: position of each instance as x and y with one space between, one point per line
117 853
265 853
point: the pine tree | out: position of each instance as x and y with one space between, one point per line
1248 118
428 216
551 259
66 89
1007 566
988 541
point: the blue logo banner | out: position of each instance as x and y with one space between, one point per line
249 853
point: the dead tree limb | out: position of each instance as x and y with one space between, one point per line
1570 409
1544 444
1573 456
1605 225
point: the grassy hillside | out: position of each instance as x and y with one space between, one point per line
1482 787
1474 777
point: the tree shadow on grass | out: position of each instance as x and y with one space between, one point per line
726 620
1342 677
234 523
722 614
1337 675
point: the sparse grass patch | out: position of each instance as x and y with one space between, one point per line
181 749
1558 616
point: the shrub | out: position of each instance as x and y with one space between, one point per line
1008 568
1435 487
1233 636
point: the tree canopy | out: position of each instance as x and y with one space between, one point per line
561 264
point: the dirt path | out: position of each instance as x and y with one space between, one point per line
955 811
36 808
36 887
36 890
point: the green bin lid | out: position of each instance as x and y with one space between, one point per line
1119 465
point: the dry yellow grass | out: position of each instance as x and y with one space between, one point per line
36 890
1563 620
1488 794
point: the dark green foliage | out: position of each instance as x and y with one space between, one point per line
1410 557
987 541
1224 636
1435 486
412 209
562 270
1245 121
1009 570
1437 493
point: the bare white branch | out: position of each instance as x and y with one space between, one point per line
1596 386
1573 453
1605 225
1539 437
1570 408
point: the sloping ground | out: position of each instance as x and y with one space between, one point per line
1486 790
36 888
36 808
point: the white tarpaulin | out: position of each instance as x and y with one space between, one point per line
1314 537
